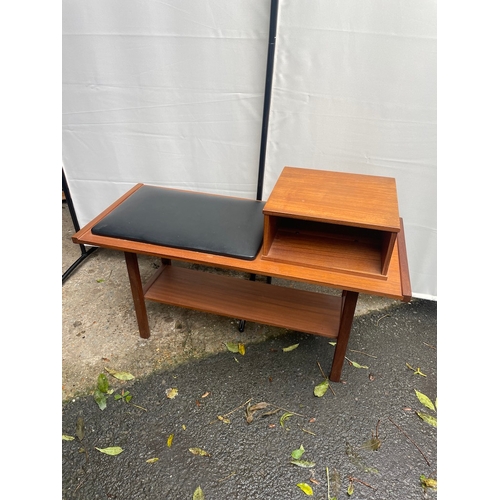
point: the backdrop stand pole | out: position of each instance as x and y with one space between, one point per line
267 95
84 252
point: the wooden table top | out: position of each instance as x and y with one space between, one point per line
397 284
335 197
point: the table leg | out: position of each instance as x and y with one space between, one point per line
349 300
137 294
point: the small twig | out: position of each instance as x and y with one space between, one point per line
238 408
309 432
78 487
326 378
355 479
328 482
227 477
382 317
232 411
365 353
288 411
411 440
429 345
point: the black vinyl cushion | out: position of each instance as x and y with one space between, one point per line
207 223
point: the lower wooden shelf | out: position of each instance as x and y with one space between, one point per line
300 310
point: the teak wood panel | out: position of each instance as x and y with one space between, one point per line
255 301
327 252
340 198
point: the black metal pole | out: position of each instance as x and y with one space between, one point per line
85 253
267 95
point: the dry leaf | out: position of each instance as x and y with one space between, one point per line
290 348
119 375
112 450
306 489
428 418
199 451
231 346
170 440
171 393
250 410
241 349
80 428
425 400
321 388
297 454
152 460
303 463
198 494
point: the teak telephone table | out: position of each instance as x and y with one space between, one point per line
333 229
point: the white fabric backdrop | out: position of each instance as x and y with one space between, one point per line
167 93
355 90
172 94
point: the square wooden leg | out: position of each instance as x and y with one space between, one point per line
349 301
137 294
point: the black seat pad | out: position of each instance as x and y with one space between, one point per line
206 223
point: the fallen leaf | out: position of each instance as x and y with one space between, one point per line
198 494
259 406
284 418
372 444
67 438
199 451
303 463
321 388
100 399
152 460
333 343
171 393
350 488
170 440
250 410
425 400
80 428
102 383
296 454
241 348
205 395
427 482
428 418
357 365
231 346
290 348
120 375
112 450
306 488
269 413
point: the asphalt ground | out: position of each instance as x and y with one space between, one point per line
366 431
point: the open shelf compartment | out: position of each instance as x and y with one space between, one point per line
283 307
353 250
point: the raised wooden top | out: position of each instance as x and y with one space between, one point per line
335 197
